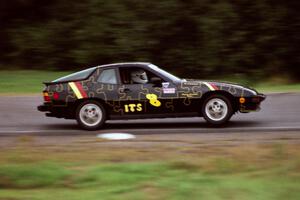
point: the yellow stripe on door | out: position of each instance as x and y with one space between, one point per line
75 90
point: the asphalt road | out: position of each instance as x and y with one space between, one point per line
18 115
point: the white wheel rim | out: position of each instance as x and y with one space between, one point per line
216 109
90 114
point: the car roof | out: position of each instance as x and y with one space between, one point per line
127 64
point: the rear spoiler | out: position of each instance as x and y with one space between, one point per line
62 82
58 82
67 80
48 83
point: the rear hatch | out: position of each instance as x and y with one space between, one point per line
53 88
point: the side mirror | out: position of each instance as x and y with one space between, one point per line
156 81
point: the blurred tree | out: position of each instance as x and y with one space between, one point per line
193 38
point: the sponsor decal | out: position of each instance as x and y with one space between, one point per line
78 90
169 90
165 84
153 100
211 86
133 107
166 89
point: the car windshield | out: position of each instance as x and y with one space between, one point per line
76 76
164 73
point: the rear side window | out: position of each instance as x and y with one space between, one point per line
76 76
108 76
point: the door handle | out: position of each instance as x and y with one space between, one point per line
125 90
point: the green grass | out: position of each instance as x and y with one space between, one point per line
267 87
93 169
162 180
30 82
31 176
26 81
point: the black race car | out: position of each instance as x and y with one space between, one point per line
142 90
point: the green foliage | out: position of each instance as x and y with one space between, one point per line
191 38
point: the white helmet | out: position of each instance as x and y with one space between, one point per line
139 76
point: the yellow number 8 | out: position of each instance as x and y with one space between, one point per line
153 100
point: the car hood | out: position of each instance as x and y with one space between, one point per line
221 85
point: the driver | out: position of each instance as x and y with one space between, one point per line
139 76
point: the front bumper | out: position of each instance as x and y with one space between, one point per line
261 97
252 103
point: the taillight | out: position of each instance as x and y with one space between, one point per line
46 97
55 96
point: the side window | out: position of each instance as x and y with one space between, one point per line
108 76
77 76
135 75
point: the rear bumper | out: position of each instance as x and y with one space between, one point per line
56 111
43 108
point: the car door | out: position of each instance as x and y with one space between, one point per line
153 97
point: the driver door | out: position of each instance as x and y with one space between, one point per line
141 98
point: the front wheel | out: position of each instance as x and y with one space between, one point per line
217 109
90 115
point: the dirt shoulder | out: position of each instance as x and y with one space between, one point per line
144 147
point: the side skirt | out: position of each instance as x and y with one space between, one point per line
147 116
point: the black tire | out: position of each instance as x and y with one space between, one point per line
212 107
90 115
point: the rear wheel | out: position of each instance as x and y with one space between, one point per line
90 115
217 109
